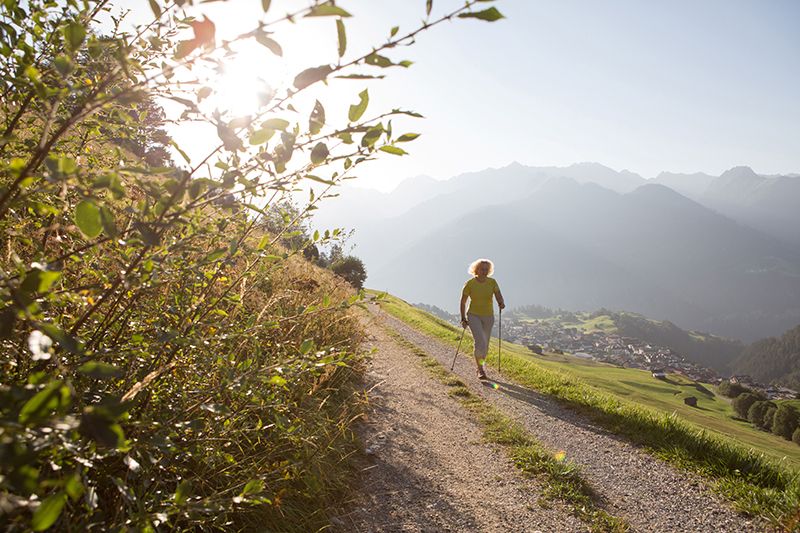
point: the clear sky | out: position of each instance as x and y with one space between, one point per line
682 86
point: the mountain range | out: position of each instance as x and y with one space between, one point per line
718 254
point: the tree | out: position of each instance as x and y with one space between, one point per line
731 390
785 421
757 413
743 402
769 417
352 269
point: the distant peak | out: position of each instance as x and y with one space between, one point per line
740 172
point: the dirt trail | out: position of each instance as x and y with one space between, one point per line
650 494
427 468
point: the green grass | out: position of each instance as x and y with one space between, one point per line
602 323
741 461
563 480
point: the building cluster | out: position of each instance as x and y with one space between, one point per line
772 392
606 347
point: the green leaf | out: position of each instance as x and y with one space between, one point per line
372 135
155 8
269 43
312 75
65 340
54 396
317 119
100 370
229 139
87 217
204 93
253 486
319 153
107 220
48 511
185 48
409 113
319 180
307 346
39 281
389 149
98 424
182 492
342 36
74 35
265 5
361 77
489 15
394 31
357 110
277 380
64 66
8 317
261 136
407 137
378 60
428 7
275 124
74 487
327 10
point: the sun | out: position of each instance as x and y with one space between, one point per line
246 80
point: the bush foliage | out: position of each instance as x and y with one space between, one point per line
169 359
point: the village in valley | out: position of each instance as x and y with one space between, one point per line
544 336
548 336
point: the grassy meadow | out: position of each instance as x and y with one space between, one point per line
757 471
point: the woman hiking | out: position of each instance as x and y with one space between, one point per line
480 316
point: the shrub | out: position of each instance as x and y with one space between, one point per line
159 366
757 412
743 402
769 416
352 269
785 421
731 390
796 436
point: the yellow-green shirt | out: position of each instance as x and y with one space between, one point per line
480 296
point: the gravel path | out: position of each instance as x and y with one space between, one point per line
650 494
427 468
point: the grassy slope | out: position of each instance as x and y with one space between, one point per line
713 413
633 403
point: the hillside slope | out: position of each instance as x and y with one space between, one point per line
773 360
576 246
633 485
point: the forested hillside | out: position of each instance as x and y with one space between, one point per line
773 360
702 348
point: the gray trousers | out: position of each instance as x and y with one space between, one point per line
481 327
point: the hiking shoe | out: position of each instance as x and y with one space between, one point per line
482 373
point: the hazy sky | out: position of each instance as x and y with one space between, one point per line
683 86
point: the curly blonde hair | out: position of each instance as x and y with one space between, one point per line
475 264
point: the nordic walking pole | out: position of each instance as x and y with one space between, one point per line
452 366
499 339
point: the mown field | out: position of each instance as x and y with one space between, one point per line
713 412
